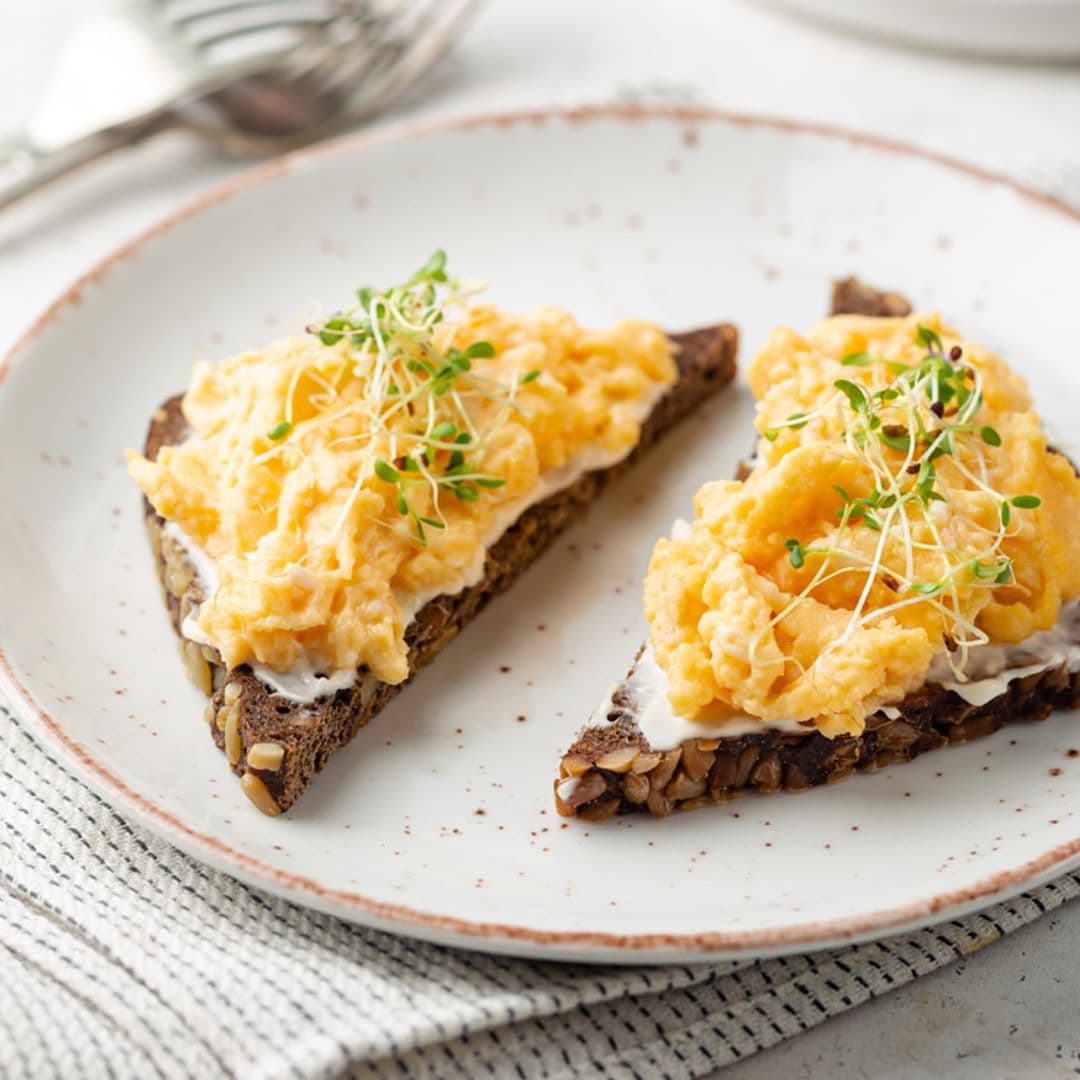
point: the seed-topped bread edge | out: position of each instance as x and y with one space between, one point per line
276 746
611 768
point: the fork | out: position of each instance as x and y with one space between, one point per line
370 61
255 76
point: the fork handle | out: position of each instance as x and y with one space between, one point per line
25 166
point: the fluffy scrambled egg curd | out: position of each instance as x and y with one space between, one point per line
902 503
338 480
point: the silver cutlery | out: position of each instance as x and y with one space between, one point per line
253 76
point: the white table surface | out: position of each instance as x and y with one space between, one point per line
1010 1010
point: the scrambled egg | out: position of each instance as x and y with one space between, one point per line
736 624
313 559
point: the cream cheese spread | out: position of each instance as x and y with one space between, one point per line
988 672
304 683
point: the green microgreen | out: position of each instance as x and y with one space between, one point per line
924 413
795 421
420 402
929 339
857 396
859 359
927 588
279 430
385 471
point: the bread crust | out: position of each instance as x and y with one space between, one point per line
698 772
276 746
611 768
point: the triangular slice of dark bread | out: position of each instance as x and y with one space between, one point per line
275 746
611 767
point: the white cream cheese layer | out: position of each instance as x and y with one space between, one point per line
305 683
989 670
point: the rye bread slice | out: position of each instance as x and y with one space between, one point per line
611 768
276 746
850 296
615 770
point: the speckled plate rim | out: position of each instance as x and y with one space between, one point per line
488 936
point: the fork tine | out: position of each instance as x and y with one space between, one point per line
370 49
209 29
183 13
400 60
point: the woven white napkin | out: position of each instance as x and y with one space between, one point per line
121 957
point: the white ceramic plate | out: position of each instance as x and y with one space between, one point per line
1021 29
438 820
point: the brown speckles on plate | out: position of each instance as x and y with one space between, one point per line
1055 771
224 850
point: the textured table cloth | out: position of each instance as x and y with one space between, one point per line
122 957
119 956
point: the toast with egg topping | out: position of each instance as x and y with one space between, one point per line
438 502
638 754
